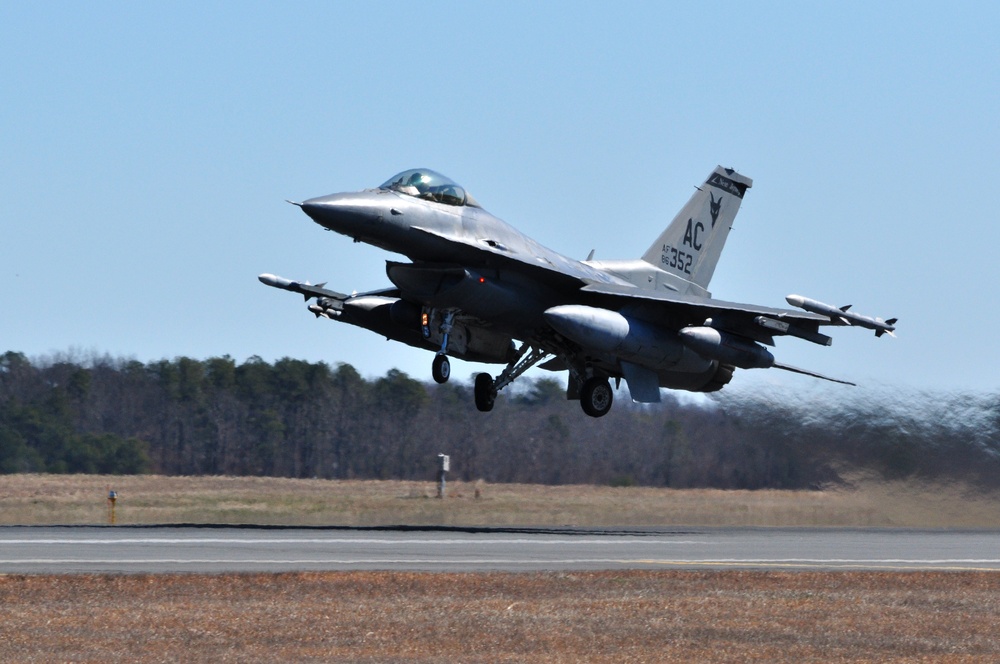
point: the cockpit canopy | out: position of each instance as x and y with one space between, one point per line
431 186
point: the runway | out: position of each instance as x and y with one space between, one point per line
71 550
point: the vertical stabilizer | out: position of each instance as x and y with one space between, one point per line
691 245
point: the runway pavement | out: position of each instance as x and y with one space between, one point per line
68 550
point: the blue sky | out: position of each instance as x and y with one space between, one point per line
146 151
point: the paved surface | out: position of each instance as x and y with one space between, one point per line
67 550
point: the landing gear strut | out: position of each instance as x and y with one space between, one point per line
441 368
596 395
486 388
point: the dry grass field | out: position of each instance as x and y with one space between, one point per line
151 499
617 617
639 616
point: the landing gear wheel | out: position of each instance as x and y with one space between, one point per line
484 392
441 369
596 396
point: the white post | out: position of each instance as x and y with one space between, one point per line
444 462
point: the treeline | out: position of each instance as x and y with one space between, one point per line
294 418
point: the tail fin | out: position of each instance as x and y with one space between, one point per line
691 245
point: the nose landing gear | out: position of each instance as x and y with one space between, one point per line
441 368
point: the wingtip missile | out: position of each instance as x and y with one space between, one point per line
305 289
275 281
843 315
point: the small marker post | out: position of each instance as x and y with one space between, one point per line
112 498
444 463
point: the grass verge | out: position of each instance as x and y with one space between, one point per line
640 616
151 499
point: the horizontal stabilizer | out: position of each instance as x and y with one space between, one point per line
804 372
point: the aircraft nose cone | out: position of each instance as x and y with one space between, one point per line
320 209
344 213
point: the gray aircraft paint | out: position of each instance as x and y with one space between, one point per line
478 289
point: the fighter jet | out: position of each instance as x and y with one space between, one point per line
477 289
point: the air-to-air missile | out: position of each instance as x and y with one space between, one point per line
842 315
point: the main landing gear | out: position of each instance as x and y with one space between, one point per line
484 392
486 388
596 395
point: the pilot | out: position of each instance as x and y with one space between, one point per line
413 184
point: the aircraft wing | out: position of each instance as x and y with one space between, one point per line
679 310
548 266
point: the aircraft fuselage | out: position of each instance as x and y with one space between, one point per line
475 284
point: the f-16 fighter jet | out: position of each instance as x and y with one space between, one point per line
477 289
